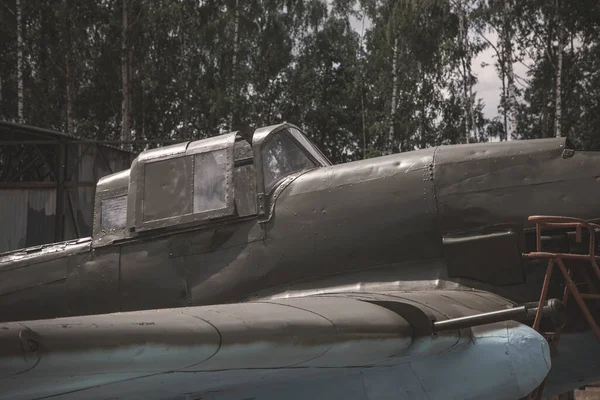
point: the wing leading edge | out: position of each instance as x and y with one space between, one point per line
224 348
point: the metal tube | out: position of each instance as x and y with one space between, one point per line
543 295
553 308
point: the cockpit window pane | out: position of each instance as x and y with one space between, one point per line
210 183
113 212
282 157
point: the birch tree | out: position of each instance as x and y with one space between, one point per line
559 72
125 86
511 91
68 66
390 141
19 61
234 64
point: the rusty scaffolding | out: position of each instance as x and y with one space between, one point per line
582 264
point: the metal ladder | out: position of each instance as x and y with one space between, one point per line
571 288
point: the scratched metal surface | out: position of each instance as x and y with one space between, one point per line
373 226
375 223
243 348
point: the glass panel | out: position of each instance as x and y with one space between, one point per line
113 212
299 136
210 181
282 157
167 188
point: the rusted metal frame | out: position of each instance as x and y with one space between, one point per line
558 220
77 161
564 256
567 222
575 292
595 267
103 156
590 296
565 302
578 224
543 295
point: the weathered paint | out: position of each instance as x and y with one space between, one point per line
380 225
150 350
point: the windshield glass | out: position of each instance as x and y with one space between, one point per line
282 157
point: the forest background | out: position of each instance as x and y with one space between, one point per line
361 77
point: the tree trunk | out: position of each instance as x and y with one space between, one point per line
504 109
130 93
362 88
472 100
466 77
68 69
70 125
390 144
19 63
511 100
559 67
423 137
233 95
125 131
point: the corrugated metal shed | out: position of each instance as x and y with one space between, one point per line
47 184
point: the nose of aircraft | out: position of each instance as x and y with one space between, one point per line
499 361
529 357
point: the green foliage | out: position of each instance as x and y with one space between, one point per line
302 61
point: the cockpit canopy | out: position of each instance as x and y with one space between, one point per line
219 178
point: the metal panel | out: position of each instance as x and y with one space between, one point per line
145 171
244 183
41 217
149 278
13 214
93 282
33 275
469 257
35 302
366 213
216 260
482 184
109 188
34 291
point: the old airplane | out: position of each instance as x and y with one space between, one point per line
220 269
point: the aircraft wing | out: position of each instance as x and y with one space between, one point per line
351 346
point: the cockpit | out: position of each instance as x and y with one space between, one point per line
284 150
221 178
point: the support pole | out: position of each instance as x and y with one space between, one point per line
61 167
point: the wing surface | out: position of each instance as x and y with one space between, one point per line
272 349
